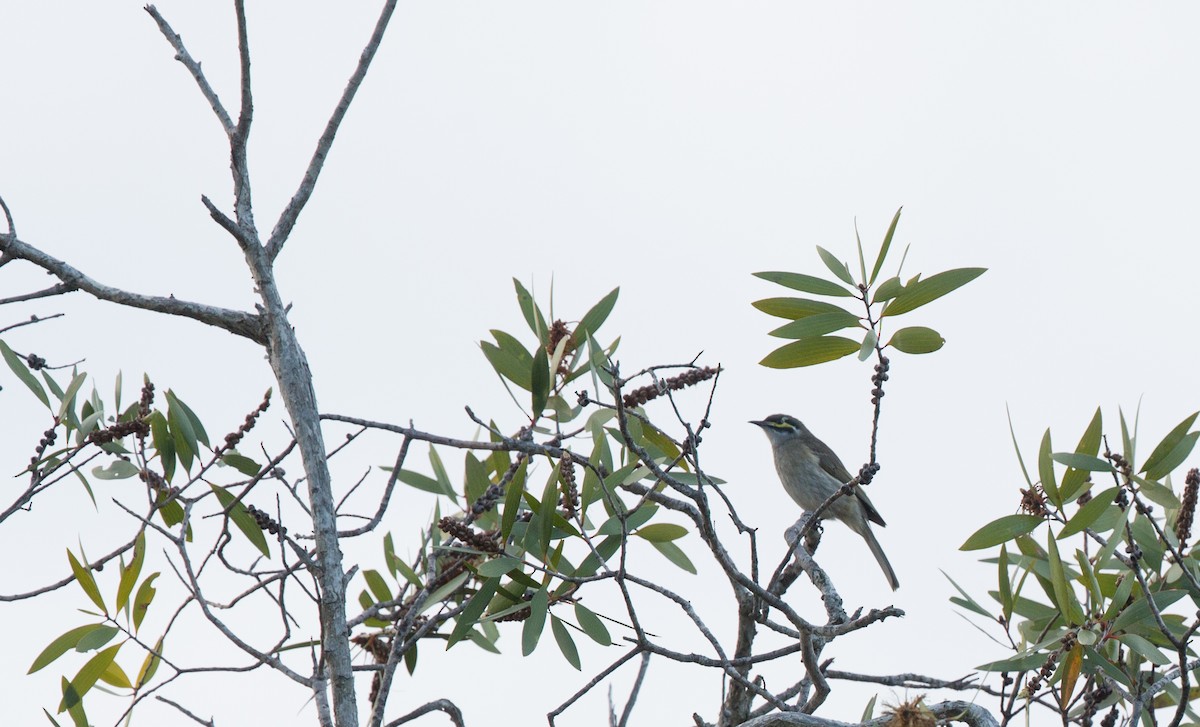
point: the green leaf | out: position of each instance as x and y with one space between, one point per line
530 309
805 283
661 532
1018 663
131 572
193 420
916 339
810 351
150 664
531 631
142 599
1000 531
472 611
883 249
867 347
97 638
498 566
594 318
1139 611
566 644
887 290
86 581
1082 462
242 518
439 471
67 400
379 587
118 469
442 592
61 645
674 554
930 289
1147 650
512 502
86 678
420 482
592 625
1046 471
242 464
182 433
164 444
539 381
796 308
1089 513
23 373
115 676
816 325
837 267
1063 593
1006 592
1171 451
967 601
1074 479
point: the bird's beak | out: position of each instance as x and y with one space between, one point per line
757 423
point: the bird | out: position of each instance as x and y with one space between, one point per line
811 473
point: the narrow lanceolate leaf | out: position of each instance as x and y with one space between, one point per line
68 398
61 645
805 283
592 625
1089 513
182 432
23 373
242 518
1139 611
1063 593
676 555
1082 461
1000 531
87 582
810 351
594 318
566 644
1006 594
131 572
887 290
837 267
472 611
1089 444
661 532
539 381
816 325
916 339
930 289
150 665
531 631
1171 451
141 601
115 676
883 249
530 309
1046 471
795 308
87 676
379 587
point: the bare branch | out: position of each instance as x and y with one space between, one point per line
239 323
438 705
287 220
193 67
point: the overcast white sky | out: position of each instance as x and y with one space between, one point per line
668 148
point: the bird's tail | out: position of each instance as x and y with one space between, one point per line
877 551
